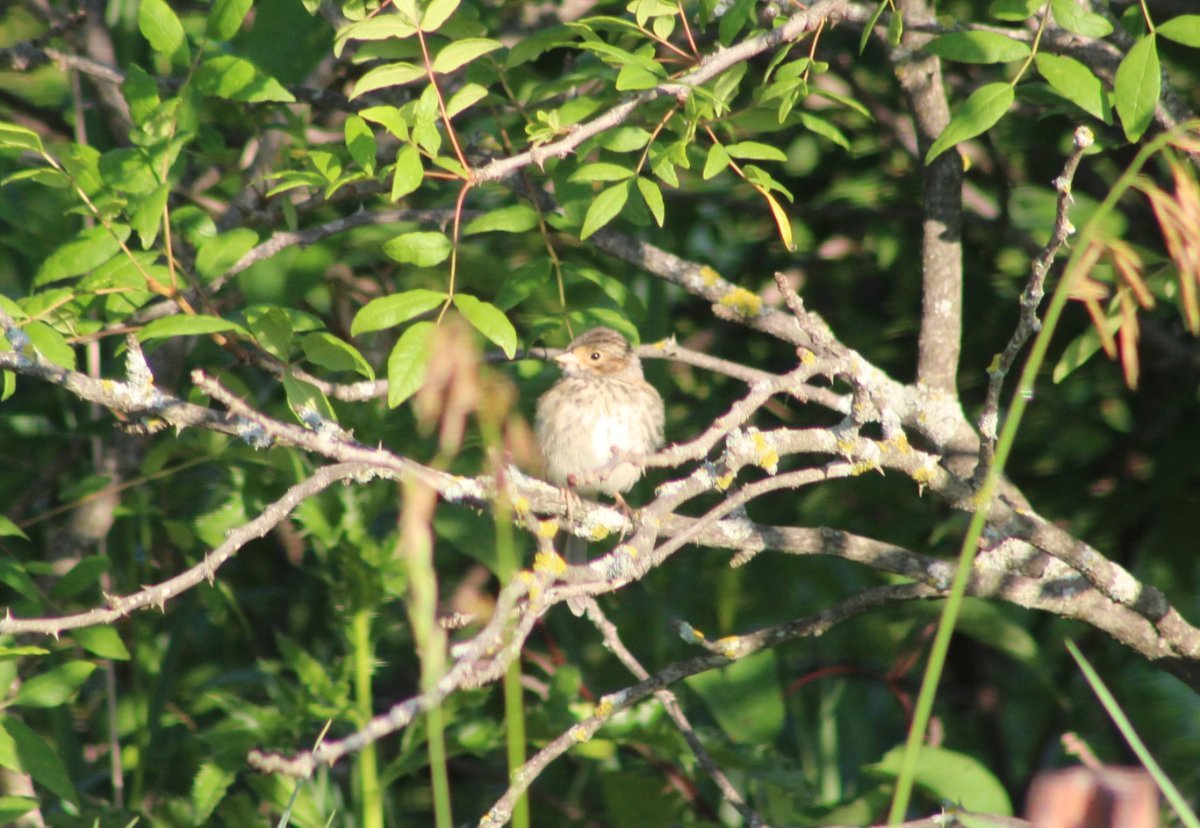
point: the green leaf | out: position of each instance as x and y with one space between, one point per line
625 139
755 151
225 18
745 698
148 214
895 28
237 79
390 311
489 321
219 253
522 282
949 776
466 97
423 249
516 218
141 93
716 161
1183 29
1014 11
159 25
14 576
825 129
272 330
604 208
51 344
19 137
408 174
24 751
1073 18
8 529
408 362
183 325
633 77
360 141
208 789
12 808
437 13
1075 82
54 687
381 77
128 170
102 642
870 26
380 27
461 52
977 47
652 195
388 117
982 110
304 397
84 574
324 349
533 46
9 653
601 171
91 248
1137 87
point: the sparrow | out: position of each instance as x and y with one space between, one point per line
602 409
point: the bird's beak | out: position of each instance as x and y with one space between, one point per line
567 358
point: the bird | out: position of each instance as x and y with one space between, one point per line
600 410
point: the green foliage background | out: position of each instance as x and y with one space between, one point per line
231 141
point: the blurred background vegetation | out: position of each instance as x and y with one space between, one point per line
267 654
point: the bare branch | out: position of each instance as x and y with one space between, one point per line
206 570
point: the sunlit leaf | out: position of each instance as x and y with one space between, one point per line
489 321
55 686
389 311
225 18
462 52
604 208
1074 18
408 363
982 110
1183 29
159 25
1137 85
1075 82
977 47
422 248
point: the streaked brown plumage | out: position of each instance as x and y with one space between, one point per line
602 407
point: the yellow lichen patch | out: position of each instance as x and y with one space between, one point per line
521 505
900 443
709 276
742 301
547 528
766 457
604 708
864 466
729 647
579 733
550 562
724 481
599 532
845 446
807 357
107 385
923 476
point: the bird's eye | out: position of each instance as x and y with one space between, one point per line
595 356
